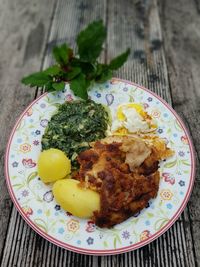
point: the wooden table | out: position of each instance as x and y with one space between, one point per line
164 38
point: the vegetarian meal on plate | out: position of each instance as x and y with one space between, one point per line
104 166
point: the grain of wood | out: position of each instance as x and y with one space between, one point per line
135 24
23 27
182 49
180 23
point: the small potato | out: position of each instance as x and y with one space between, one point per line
53 165
72 198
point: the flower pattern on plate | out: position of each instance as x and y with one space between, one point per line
90 227
73 225
166 194
27 210
145 235
25 148
169 178
28 163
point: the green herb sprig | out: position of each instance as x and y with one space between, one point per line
79 70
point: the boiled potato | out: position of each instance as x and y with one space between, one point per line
53 165
74 199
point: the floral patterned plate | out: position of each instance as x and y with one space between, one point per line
36 204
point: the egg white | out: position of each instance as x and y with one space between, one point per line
132 121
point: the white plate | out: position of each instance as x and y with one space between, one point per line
34 199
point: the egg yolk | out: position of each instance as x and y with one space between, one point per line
137 107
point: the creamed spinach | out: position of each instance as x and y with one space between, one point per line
74 126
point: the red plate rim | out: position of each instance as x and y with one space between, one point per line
110 251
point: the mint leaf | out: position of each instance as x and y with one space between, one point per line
62 54
53 70
81 70
104 73
87 68
99 69
59 86
79 86
90 41
73 73
49 87
117 62
39 79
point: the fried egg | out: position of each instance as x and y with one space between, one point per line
132 118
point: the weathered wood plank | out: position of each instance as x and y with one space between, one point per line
136 25
180 21
182 47
23 27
